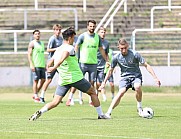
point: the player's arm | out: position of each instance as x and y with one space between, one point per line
64 55
51 49
50 46
151 71
108 74
104 55
76 48
30 51
79 41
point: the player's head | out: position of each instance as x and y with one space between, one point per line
68 35
102 32
36 34
57 29
123 46
91 25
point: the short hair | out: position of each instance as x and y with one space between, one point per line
68 33
56 26
102 28
122 41
91 21
36 30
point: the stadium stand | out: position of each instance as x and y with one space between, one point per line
138 16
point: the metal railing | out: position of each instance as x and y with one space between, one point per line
112 15
160 7
25 11
133 38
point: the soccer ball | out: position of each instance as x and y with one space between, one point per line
148 113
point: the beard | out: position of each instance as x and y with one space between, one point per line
91 30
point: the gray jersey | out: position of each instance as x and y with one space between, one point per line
54 43
129 64
101 61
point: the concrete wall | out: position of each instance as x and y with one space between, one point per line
21 76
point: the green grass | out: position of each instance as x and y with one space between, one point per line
80 121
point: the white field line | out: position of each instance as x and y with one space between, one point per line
71 134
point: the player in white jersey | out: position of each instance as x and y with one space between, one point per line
70 75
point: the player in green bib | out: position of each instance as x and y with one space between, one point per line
88 43
70 75
36 60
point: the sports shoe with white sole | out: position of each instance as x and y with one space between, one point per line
42 100
35 116
140 112
80 101
72 102
103 117
108 115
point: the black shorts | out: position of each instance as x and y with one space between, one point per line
82 85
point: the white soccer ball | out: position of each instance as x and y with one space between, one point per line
148 113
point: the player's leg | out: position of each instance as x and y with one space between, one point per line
35 91
41 77
49 77
92 71
116 100
124 85
84 69
85 86
111 82
100 79
59 94
70 100
36 77
138 91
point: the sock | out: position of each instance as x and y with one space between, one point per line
99 110
70 95
112 95
139 105
36 95
90 100
80 95
44 109
104 97
42 94
96 91
72 101
109 111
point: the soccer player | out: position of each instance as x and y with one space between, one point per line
88 43
36 60
54 41
128 60
70 75
111 78
101 62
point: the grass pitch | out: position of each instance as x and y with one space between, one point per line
80 121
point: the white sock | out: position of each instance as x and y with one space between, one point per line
139 105
99 110
104 97
72 101
80 95
42 94
36 95
96 91
90 100
109 111
70 95
44 109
